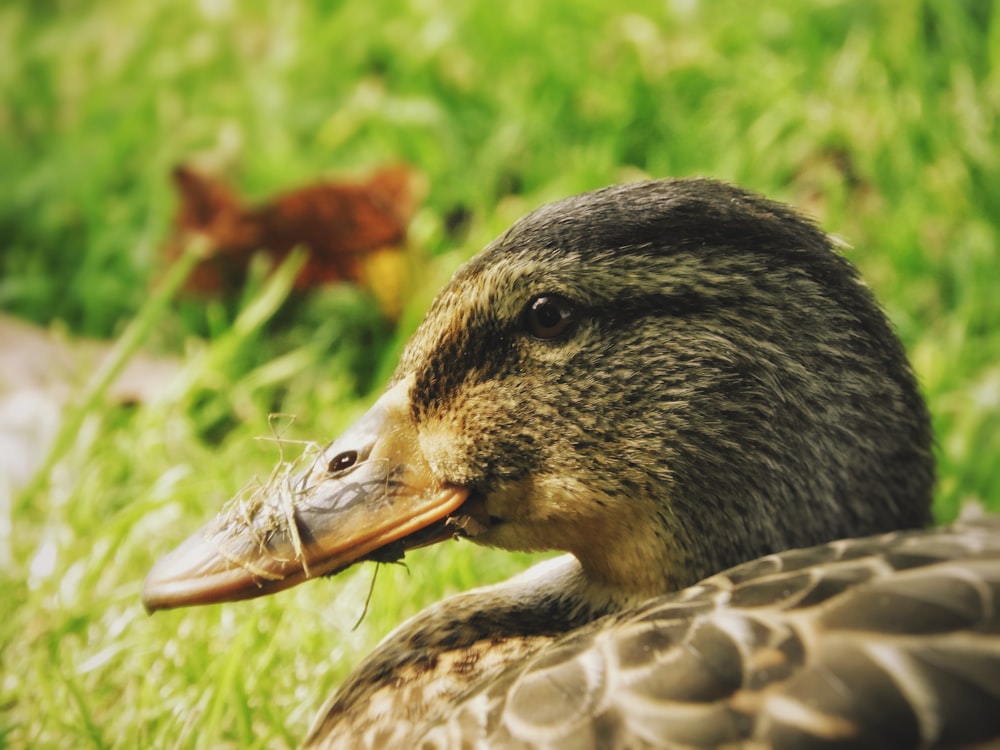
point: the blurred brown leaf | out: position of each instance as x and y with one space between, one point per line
347 227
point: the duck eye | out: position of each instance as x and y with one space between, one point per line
548 316
342 461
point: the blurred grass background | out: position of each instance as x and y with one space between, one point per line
877 117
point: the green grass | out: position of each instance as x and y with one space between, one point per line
880 118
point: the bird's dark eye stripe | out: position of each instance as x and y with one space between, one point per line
677 304
342 461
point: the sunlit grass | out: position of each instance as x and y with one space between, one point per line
879 118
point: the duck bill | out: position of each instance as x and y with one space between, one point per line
368 495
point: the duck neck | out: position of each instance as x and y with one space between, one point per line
625 557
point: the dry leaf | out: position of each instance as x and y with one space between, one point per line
354 232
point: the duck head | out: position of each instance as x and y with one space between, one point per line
663 379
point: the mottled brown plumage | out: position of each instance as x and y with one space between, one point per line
884 642
665 380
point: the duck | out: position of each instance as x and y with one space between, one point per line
688 390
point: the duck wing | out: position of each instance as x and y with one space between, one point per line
889 641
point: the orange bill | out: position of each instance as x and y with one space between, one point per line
368 495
